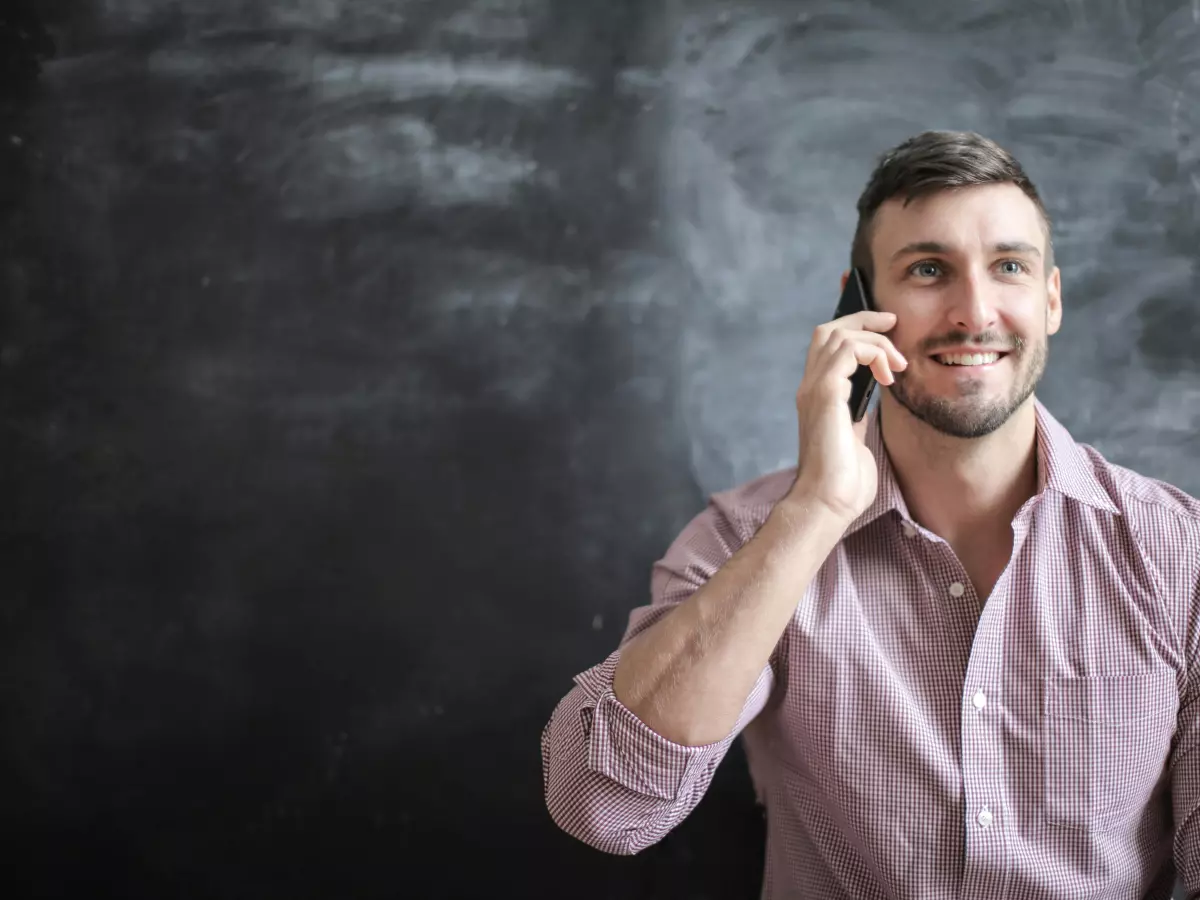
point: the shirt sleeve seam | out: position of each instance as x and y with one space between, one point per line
1178 629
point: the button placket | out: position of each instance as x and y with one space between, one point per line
983 752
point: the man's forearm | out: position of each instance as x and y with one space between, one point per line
688 676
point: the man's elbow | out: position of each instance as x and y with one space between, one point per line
598 811
588 805
590 819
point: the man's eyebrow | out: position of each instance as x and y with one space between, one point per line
920 247
935 247
1017 247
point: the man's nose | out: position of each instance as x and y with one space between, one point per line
973 304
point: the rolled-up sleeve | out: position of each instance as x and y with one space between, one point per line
610 780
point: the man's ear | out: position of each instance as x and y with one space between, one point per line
1054 301
845 278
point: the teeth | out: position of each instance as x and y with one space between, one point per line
968 359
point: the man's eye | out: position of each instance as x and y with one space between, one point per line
926 269
1013 267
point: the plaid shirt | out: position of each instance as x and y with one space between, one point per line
910 740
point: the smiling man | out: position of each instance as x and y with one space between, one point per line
960 646
1024 286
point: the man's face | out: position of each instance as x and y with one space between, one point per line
964 271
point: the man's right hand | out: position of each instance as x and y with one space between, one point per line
836 469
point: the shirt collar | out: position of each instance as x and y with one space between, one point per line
1062 468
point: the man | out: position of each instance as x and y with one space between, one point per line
961 647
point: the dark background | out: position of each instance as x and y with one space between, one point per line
357 359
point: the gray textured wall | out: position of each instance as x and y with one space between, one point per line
358 358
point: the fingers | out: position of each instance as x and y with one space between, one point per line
838 366
870 319
867 348
862 354
841 346
866 320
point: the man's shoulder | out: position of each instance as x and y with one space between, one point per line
748 505
1145 500
763 490
1163 522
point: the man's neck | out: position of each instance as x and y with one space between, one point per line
961 489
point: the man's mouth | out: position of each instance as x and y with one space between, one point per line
968 359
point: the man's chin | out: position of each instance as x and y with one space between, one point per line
969 418
986 406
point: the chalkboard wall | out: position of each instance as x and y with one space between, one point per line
357 359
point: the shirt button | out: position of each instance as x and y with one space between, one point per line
984 818
980 699
956 589
909 531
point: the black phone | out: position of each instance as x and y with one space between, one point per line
855 298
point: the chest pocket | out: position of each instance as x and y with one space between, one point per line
1105 742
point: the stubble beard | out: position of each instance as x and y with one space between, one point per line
970 415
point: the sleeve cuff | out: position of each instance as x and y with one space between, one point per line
622 747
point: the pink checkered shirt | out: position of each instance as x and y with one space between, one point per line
910 740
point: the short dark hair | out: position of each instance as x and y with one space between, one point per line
935 161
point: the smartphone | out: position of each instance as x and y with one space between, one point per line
855 298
